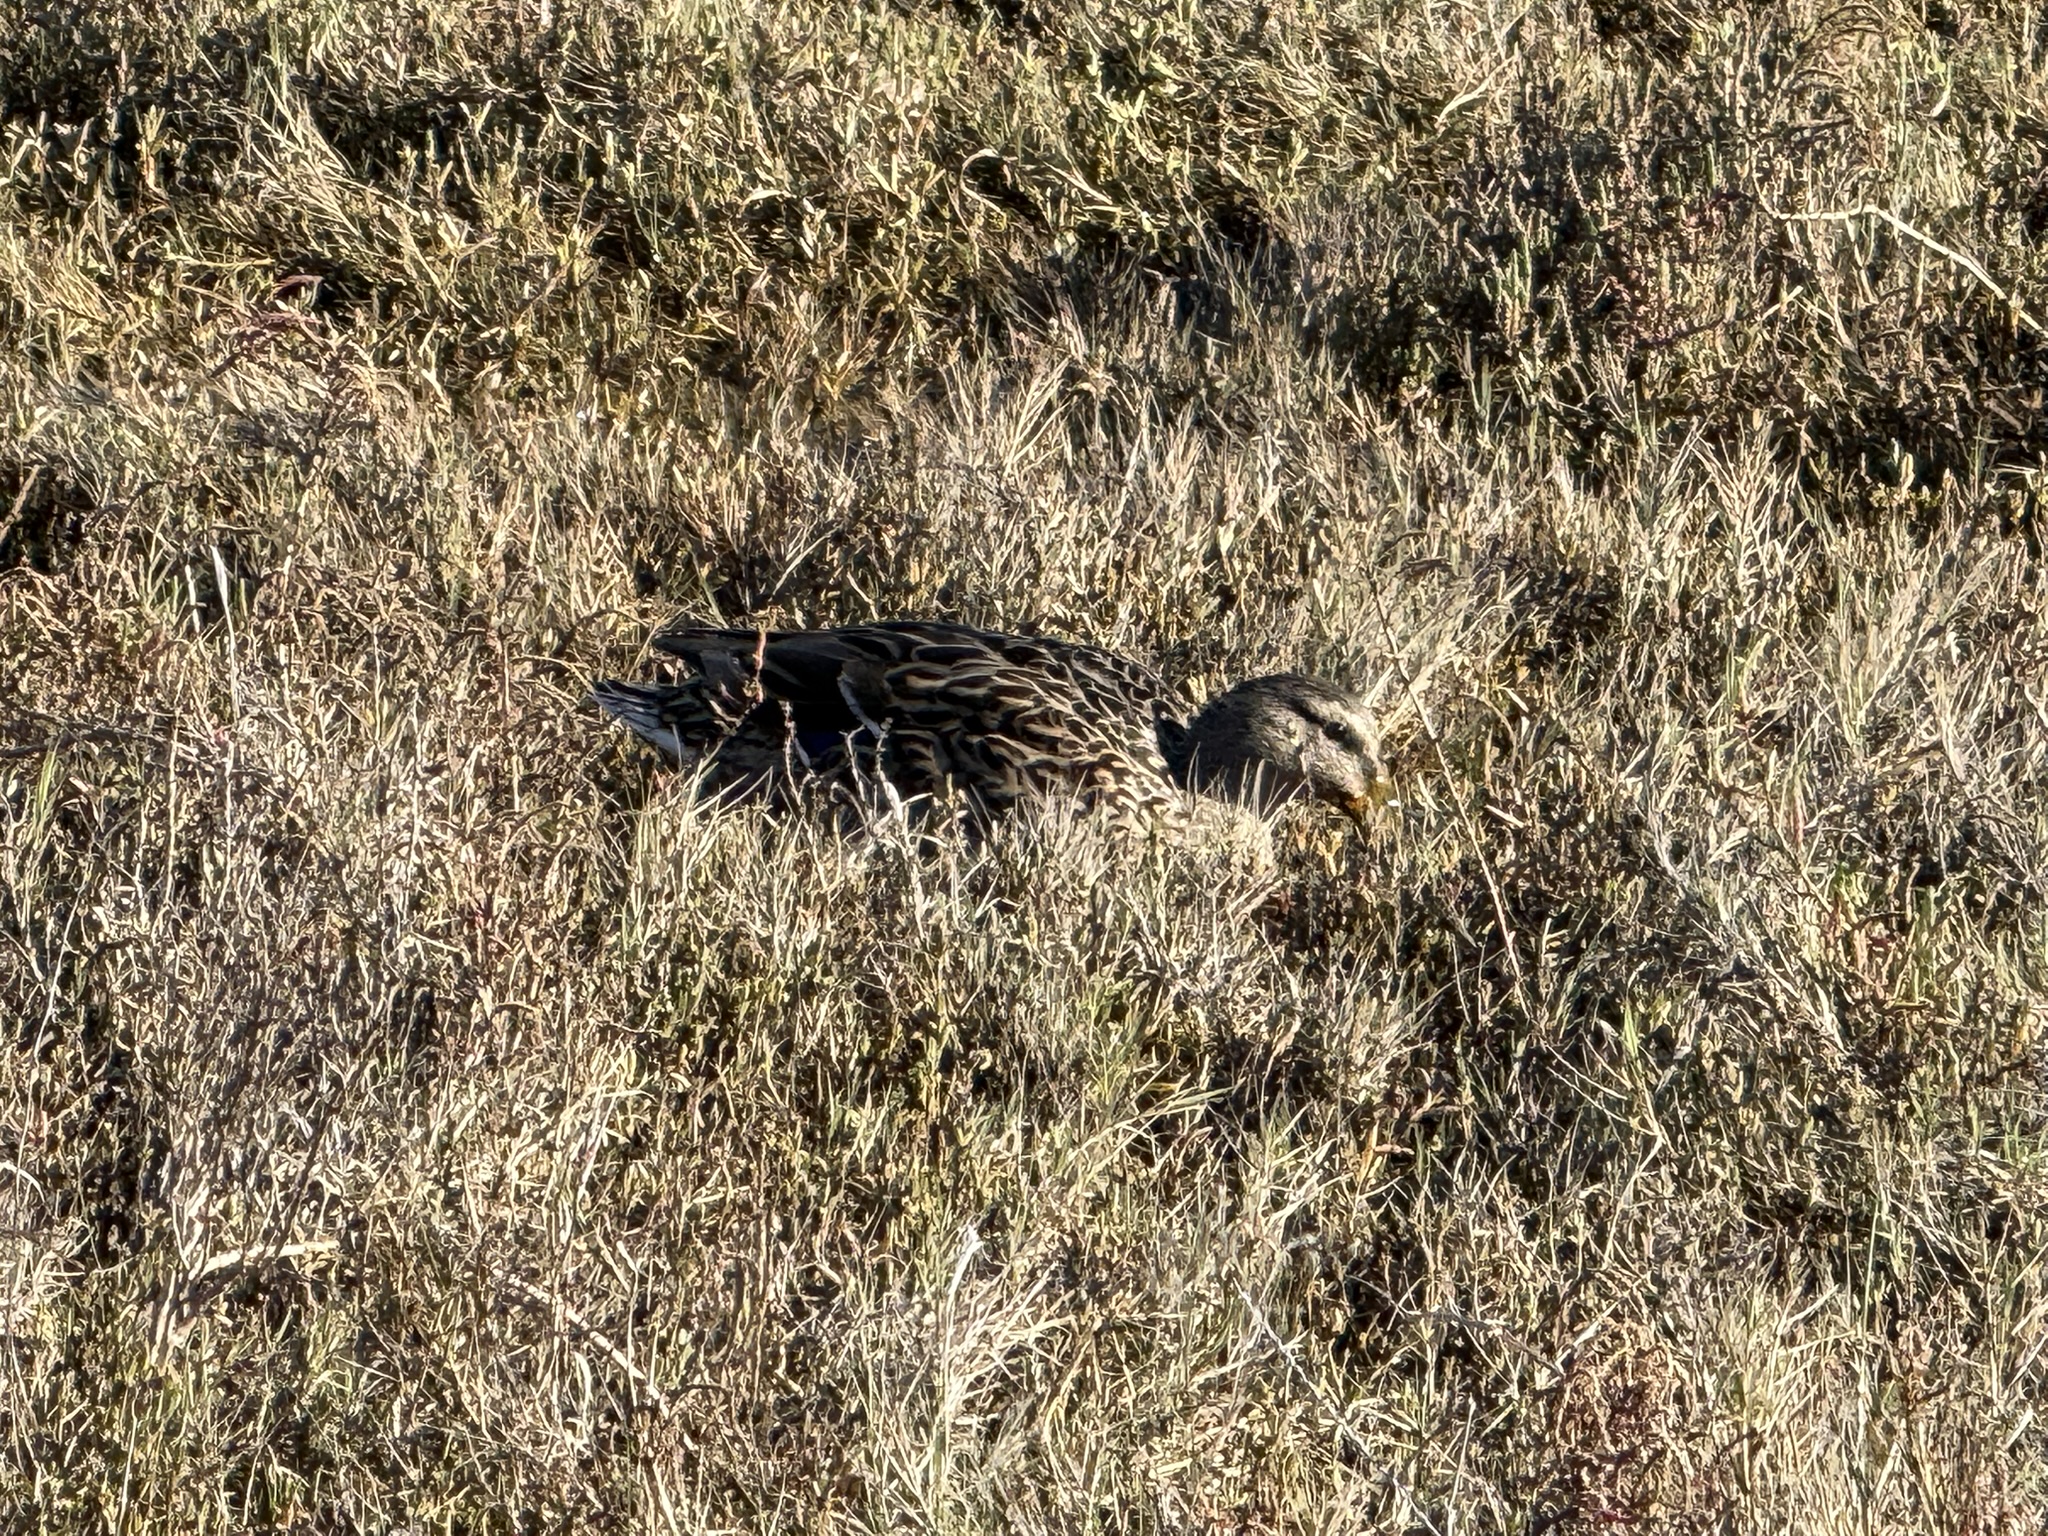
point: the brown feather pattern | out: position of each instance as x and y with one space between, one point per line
937 709
985 719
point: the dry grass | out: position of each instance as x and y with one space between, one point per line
420 1114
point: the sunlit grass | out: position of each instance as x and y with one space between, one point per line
422 1112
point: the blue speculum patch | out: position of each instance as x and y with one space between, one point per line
819 744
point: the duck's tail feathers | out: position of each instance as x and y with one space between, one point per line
644 709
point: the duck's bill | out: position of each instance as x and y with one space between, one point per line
1361 807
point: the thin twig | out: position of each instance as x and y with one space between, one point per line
1363 1446
540 1300
28 484
264 1254
1962 259
1429 731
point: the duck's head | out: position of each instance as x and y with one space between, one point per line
1277 738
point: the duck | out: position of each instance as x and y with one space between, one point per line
987 721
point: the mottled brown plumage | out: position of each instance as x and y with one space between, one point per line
989 719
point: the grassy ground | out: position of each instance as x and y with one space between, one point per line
418 1114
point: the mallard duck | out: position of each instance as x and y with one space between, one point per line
946 710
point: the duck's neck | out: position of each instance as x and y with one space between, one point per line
1176 747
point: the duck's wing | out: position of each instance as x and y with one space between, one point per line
945 706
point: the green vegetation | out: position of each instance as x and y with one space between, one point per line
418 1114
